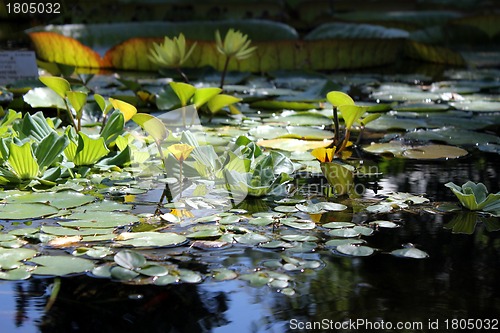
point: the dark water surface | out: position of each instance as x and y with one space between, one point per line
459 281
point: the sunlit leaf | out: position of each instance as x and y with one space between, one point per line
355 250
59 85
77 99
152 125
89 150
410 252
338 98
220 101
22 161
203 95
184 91
127 109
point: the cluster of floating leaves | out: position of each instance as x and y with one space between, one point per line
105 239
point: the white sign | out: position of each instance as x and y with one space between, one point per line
17 65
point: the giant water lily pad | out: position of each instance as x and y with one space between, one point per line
295 132
61 265
150 239
22 211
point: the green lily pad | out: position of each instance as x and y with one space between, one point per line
345 233
123 274
299 224
224 274
208 233
285 209
154 270
99 219
428 152
150 239
262 221
11 258
22 272
344 241
61 265
251 238
287 144
276 244
299 238
166 280
410 252
130 259
384 224
61 200
294 132
337 225
355 250
22 211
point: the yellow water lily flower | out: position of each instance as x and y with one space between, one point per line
235 44
180 213
324 154
172 53
180 151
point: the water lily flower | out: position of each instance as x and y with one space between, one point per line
172 53
180 151
236 44
324 154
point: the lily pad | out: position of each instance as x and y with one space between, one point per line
61 265
355 250
22 211
150 239
336 225
99 219
11 258
61 200
293 144
410 252
345 233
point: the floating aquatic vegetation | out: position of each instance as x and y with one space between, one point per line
476 197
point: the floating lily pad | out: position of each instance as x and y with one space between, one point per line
355 250
384 224
428 152
166 280
22 211
61 200
304 133
150 239
99 219
262 221
61 265
299 238
208 233
224 274
300 224
22 272
11 258
130 259
251 239
286 209
344 241
345 233
276 244
336 225
410 252
293 144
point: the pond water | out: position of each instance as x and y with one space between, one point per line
458 281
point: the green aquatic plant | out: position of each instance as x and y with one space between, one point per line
235 45
173 53
476 197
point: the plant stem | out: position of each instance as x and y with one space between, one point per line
53 295
180 179
70 114
345 141
223 75
181 73
336 123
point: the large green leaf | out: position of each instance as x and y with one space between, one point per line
338 98
50 149
184 91
59 85
152 125
34 126
351 113
89 150
22 161
113 127
474 196
11 258
150 239
203 95
77 99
